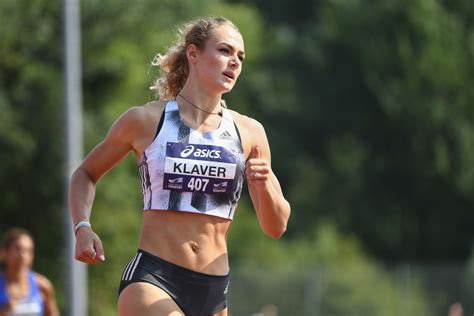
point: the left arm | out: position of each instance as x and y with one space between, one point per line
273 210
47 292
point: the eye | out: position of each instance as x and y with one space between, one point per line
225 50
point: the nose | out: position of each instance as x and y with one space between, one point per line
23 254
235 62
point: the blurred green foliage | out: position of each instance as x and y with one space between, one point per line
373 98
367 106
326 273
31 135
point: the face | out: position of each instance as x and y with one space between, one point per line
20 253
219 64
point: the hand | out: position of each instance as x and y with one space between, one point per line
257 169
88 246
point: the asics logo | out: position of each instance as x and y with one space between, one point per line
187 151
200 153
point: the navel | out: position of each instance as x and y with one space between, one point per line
194 246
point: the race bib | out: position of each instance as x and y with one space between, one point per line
199 168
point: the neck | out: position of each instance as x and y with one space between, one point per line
199 108
16 274
198 96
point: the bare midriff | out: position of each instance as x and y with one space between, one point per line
193 241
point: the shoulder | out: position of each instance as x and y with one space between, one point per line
143 113
43 283
245 122
137 120
252 132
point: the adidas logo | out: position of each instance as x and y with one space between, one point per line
225 135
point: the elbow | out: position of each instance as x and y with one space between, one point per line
276 228
276 231
82 174
277 235
279 229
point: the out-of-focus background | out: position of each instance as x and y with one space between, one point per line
369 110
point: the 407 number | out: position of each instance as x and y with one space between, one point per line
198 184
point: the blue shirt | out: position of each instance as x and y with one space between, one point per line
30 305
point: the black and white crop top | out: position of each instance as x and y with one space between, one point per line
190 171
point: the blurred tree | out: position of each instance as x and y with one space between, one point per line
334 278
374 99
367 106
31 175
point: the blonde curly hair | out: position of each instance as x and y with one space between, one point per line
173 65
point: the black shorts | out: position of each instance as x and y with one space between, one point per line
196 294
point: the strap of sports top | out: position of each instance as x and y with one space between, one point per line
160 124
34 289
238 132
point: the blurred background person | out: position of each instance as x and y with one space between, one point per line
23 291
456 309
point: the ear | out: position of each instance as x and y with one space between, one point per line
192 53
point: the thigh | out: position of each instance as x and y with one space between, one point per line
145 299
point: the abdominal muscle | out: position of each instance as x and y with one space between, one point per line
194 241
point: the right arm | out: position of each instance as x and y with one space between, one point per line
120 140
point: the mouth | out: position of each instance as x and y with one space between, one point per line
229 74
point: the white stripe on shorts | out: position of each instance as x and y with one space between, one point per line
134 266
128 266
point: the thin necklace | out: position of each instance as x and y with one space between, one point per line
199 108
